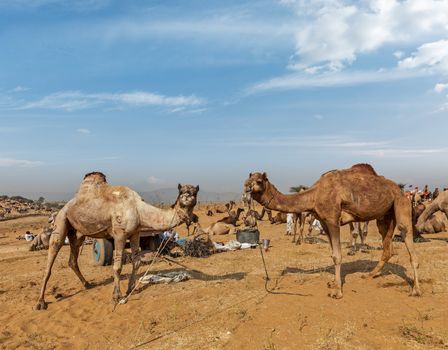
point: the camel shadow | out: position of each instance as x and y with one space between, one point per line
352 267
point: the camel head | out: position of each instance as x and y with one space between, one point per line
255 185
187 197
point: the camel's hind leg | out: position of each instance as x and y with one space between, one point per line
56 242
386 226
75 245
119 244
135 246
404 220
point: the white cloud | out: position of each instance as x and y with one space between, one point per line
340 30
318 116
401 153
440 87
11 162
76 5
321 142
77 100
83 131
432 55
398 54
19 88
344 78
152 180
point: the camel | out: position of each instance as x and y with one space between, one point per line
250 220
99 210
438 204
298 218
343 196
233 217
226 208
217 228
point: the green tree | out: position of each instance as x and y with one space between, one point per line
298 188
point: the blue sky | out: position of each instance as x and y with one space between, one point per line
159 92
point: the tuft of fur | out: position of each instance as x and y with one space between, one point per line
366 167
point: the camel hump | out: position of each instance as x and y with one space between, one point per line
365 167
95 176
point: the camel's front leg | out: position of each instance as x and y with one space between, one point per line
118 264
135 246
56 242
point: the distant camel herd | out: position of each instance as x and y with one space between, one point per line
349 196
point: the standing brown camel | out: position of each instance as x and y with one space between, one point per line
102 211
343 196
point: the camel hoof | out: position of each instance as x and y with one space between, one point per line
335 294
88 285
41 305
416 292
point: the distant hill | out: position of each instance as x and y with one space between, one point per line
164 195
169 195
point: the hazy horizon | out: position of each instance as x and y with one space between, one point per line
154 94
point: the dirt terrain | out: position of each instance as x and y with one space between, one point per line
225 305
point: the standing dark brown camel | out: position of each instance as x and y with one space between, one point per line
343 196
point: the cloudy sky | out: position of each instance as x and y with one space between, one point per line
159 92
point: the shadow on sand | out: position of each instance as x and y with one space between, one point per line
351 267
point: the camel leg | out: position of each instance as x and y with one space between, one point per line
386 226
333 233
363 229
118 264
354 227
300 238
57 239
135 247
75 245
404 220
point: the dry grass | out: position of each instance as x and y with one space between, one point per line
422 336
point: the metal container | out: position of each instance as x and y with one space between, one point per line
248 235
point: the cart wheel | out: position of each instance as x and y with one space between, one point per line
103 252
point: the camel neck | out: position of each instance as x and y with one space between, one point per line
287 203
153 218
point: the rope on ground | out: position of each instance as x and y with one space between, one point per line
158 252
266 279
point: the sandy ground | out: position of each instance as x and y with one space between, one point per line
226 305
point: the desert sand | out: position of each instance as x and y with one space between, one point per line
225 305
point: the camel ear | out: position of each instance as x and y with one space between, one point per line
197 188
265 176
179 186
250 174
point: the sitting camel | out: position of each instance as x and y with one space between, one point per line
99 210
343 196
436 220
226 208
233 217
217 228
